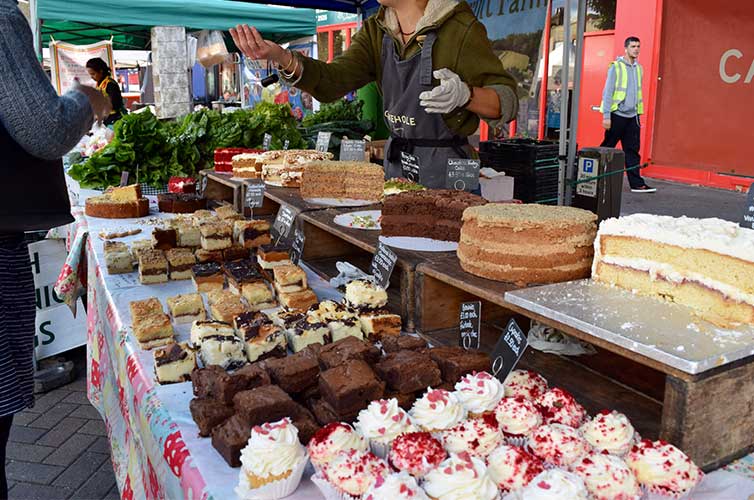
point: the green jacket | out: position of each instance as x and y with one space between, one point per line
462 46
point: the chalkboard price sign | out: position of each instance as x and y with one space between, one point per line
284 221
508 350
203 186
351 150
297 247
254 194
410 167
462 174
286 144
267 142
382 265
747 219
470 321
323 141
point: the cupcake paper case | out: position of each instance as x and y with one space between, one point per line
272 463
460 477
525 383
477 436
554 484
381 422
512 468
607 477
437 411
416 453
558 444
517 418
663 469
559 407
398 486
479 392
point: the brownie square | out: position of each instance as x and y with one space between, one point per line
326 414
408 371
230 438
215 383
404 342
294 373
346 349
350 387
268 403
405 400
208 414
305 423
455 362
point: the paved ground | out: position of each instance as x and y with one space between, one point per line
59 449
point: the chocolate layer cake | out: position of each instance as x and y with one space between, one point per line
180 203
435 214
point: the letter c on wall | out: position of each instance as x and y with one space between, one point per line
727 55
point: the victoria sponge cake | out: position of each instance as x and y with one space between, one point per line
527 244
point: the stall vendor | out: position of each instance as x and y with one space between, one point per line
100 73
435 68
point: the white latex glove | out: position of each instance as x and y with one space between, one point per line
452 93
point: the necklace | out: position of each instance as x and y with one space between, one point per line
400 28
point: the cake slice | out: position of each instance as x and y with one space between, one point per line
289 279
235 252
151 326
203 256
259 295
188 235
164 238
118 203
202 329
225 351
298 301
181 261
186 308
153 267
380 324
174 363
365 295
262 338
304 333
252 233
216 236
225 305
227 213
240 273
271 256
138 246
208 277
118 258
345 327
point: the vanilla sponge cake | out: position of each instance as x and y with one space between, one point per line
342 180
527 244
705 264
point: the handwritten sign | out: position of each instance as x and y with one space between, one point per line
323 141
382 265
470 322
462 174
351 150
747 219
284 221
267 142
254 194
297 247
286 144
508 350
410 167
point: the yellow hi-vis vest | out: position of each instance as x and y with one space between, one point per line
621 85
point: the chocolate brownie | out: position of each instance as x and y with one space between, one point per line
346 349
215 383
350 386
405 400
408 371
326 414
208 414
295 373
230 438
164 238
264 404
403 342
305 423
455 362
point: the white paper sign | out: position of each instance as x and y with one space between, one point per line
68 63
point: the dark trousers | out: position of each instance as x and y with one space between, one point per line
628 132
5 423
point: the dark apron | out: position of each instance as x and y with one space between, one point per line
413 130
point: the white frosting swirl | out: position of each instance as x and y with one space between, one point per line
479 392
383 421
398 486
437 410
607 477
477 436
512 468
273 449
524 383
555 484
661 465
558 444
332 439
460 477
354 471
611 432
517 416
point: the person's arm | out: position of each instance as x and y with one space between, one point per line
607 96
28 102
116 98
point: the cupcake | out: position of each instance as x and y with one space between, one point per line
610 431
558 444
272 463
554 484
437 411
479 392
460 477
607 477
381 422
331 439
397 486
524 383
517 418
512 468
559 407
350 474
663 469
416 453
477 436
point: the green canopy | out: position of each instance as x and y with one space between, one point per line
87 21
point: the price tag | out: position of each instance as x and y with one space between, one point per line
351 150
284 221
124 178
323 141
462 174
508 350
410 167
254 194
470 322
747 219
382 265
297 247
267 142
286 144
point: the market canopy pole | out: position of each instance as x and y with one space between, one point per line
574 120
36 28
566 78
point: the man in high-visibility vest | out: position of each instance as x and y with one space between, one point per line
622 106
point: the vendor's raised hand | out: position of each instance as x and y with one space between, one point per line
452 93
252 45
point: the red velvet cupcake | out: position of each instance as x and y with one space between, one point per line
416 453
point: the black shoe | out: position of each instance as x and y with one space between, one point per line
644 189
